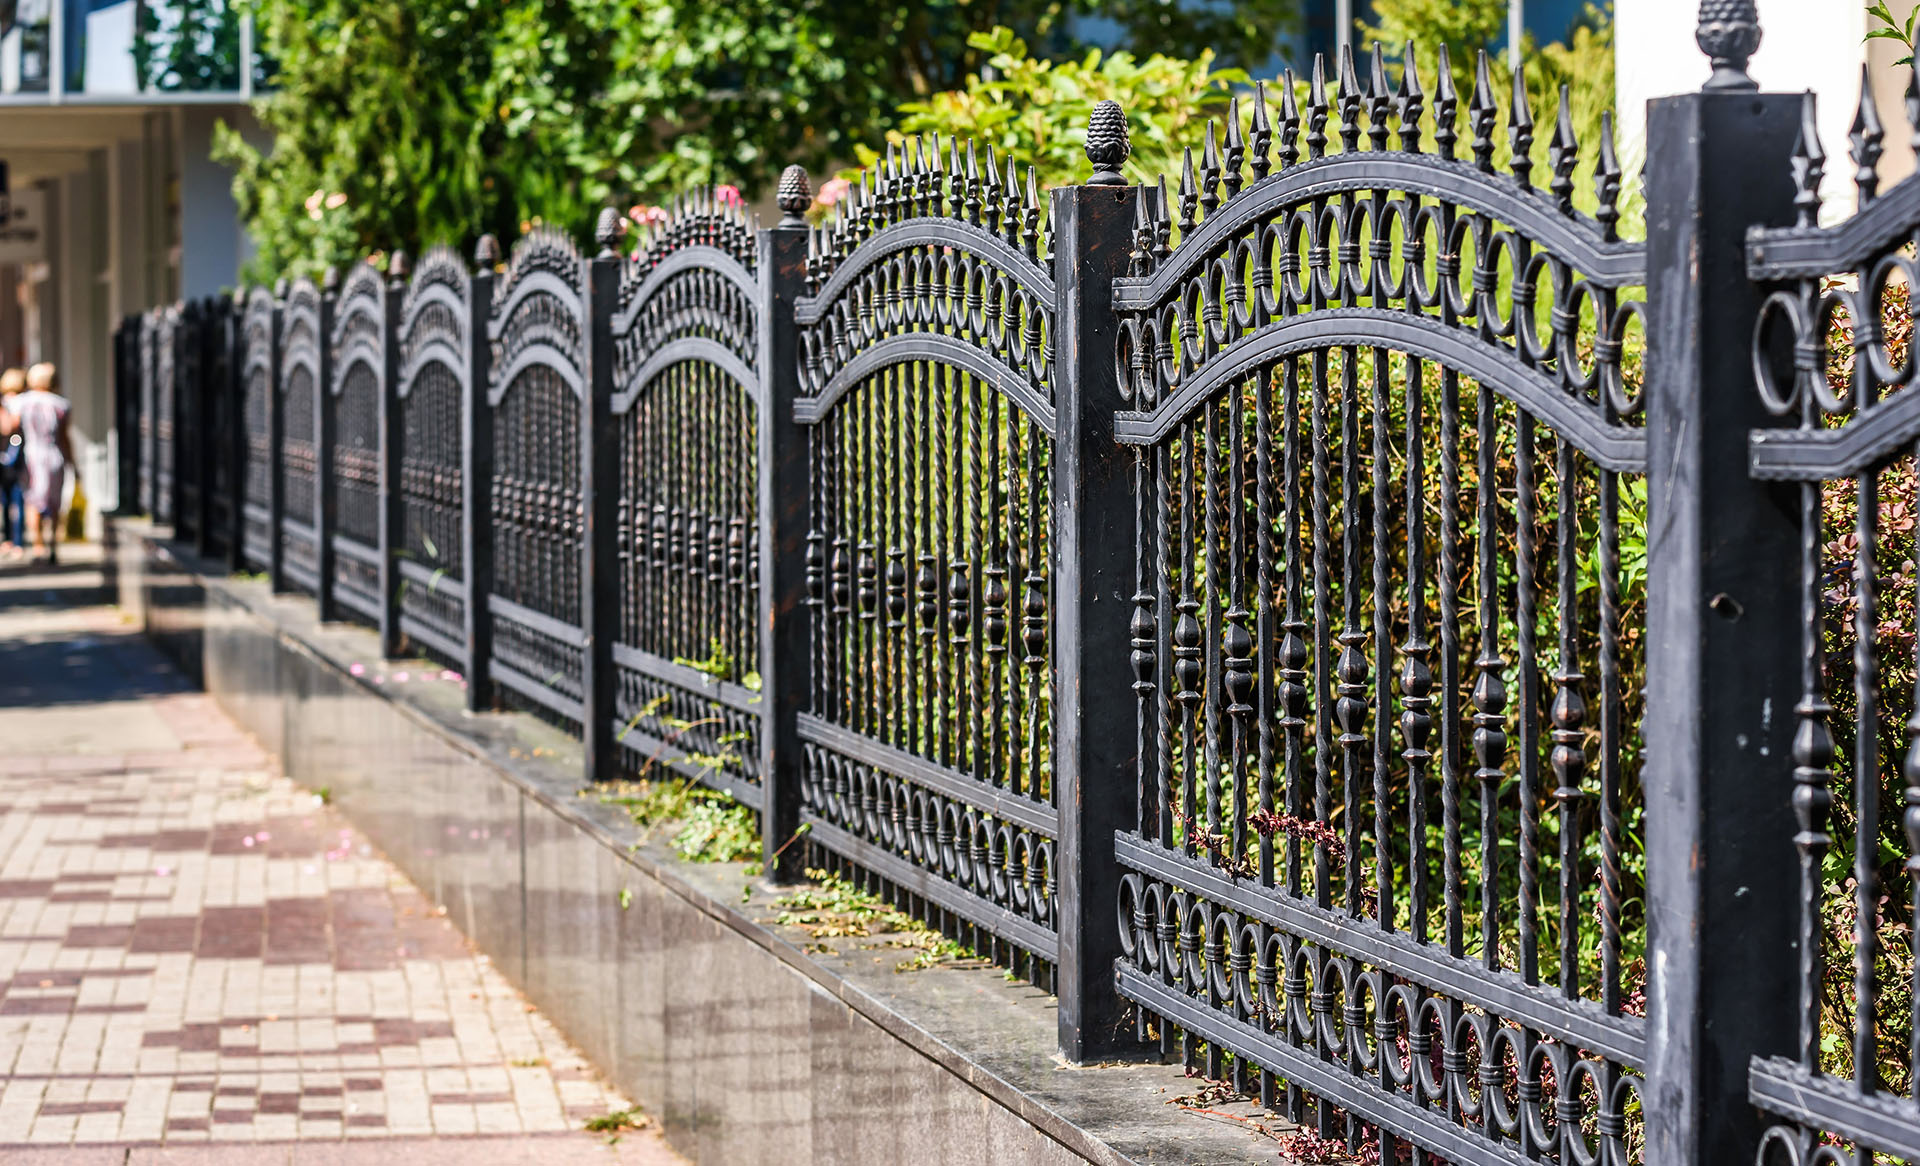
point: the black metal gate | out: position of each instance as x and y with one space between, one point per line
299 386
355 399
259 477
687 398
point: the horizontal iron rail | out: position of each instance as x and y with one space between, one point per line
931 886
927 232
941 350
1890 1124
1816 455
661 752
1038 817
735 696
1504 994
537 621
432 637
533 690
435 579
1775 253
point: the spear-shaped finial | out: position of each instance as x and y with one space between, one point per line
1481 114
1189 192
1379 99
1728 32
1606 181
1317 109
794 197
1141 257
1236 151
1107 144
1262 132
1209 174
1412 101
1563 153
1289 122
1520 130
1809 164
1865 139
1446 108
1350 98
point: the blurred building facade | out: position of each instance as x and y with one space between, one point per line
107 117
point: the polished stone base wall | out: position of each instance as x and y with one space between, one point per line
665 973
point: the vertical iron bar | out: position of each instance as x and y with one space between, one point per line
785 496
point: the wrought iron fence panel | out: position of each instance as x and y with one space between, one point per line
434 371
299 381
926 387
687 396
1832 357
159 364
190 419
358 375
216 360
537 388
1384 427
257 373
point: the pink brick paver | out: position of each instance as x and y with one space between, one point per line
193 951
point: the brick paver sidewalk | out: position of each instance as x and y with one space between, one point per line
192 950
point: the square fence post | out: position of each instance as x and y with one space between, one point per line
783 492
233 328
476 477
276 439
126 415
1722 628
1093 584
392 514
599 498
323 440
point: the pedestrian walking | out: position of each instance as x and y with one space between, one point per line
47 449
13 504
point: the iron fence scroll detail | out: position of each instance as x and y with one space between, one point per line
1406 902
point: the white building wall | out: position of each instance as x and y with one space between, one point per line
1805 44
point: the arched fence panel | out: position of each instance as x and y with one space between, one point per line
192 419
536 394
159 354
687 398
433 397
258 474
298 387
926 390
1388 660
356 393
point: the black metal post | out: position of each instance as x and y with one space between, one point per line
1722 630
783 492
231 332
176 484
392 515
476 478
276 439
206 443
599 498
1093 539
323 440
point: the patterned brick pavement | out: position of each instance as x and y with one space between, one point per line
192 950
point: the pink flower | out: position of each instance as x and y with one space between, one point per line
832 191
356 669
727 195
400 677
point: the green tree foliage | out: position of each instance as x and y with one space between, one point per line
436 120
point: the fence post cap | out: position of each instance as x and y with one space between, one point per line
486 252
1107 143
330 282
399 267
794 197
1728 32
606 231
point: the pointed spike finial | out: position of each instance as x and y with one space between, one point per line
1189 192
1107 143
1412 102
1379 98
1520 130
1289 121
1317 109
1032 215
606 230
1262 132
1236 151
1446 108
795 195
1606 181
1209 174
1809 163
1563 153
1141 257
1866 137
486 253
1350 98
1728 32
1481 113
1162 223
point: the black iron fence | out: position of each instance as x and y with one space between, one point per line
1342 616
